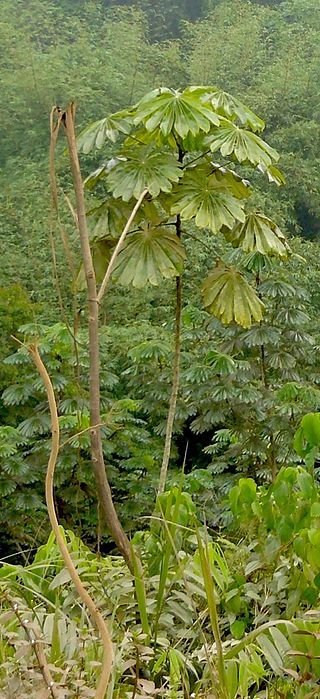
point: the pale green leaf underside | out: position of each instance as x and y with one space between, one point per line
149 255
273 173
143 168
172 110
211 199
258 234
230 139
228 296
234 108
107 129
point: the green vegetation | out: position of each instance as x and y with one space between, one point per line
186 481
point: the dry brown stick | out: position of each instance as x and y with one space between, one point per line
95 614
54 132
55 123
103 487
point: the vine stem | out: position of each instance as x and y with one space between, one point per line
95 614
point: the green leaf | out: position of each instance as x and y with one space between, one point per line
271 654
310 424
150 350
273 173
232 678
255 262
228 296
258 234
143 167
222 363
209 196
231 107
107 129
174 111
109 218
308 434
238 628
149 255
101 254
230 139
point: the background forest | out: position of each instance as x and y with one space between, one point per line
236 459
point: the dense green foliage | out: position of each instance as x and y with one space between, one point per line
230 555
58 69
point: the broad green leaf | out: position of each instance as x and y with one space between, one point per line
107 129
230 179
308 435
109 218
230 139
230 106
222 363
258 234
174 111
232 678
210 196
150 350
270 652
228 296
255 262
273 173
311 427
238 628
143 167
149 255
101 254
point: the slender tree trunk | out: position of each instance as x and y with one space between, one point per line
175 380
103 487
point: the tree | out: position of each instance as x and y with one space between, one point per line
277 72
168 139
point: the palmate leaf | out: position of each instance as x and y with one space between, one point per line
273 174
255 262
101 172
230 179
228 296
109 218
224 103
209 196
230 139
149 255
101 253
107 129
143 167
258 234
169 110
